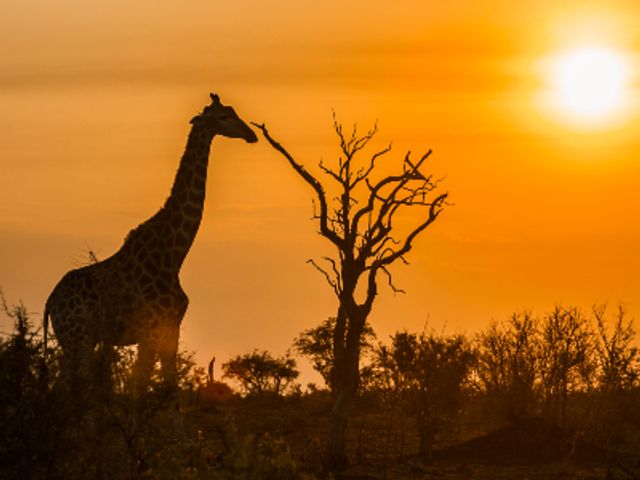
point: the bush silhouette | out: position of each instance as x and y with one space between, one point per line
259 372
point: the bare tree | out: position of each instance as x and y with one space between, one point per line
361 222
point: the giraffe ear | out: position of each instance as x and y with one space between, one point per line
214 98
195 119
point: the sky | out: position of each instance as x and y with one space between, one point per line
96 97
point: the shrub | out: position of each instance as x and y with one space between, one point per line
259 372
566 362
507 364
424 375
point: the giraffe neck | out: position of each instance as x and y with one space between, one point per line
163 241
185 204
189 187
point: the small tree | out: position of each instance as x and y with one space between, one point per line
23 396
424 375
394 367
361 222
617 356
566 349
618 371
317 344
393 364
259 372
507 355
21 352
441 368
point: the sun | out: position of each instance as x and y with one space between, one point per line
589 82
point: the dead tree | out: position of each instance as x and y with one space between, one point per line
360 221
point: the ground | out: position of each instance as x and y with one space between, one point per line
383 445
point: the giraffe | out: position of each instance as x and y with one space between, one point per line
134 296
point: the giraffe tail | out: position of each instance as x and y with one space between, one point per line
45 327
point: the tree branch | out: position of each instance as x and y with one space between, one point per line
390 281
355 143
333 283
434 211
325 230
386 259
364 173
330 172
390 203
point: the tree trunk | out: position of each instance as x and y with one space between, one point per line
346 374
338 419
339 351
336 449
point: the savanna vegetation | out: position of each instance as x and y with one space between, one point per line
550 395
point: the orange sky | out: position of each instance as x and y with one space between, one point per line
96 98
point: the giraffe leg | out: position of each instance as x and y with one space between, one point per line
168 350
63 383
72 389
170 335
77 359
104 358
143 366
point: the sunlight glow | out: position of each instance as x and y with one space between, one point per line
590 81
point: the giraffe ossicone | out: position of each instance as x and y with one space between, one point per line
134 296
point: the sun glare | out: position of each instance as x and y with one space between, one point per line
589 82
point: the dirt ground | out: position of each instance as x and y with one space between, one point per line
384 446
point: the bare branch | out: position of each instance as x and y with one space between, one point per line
333 283
334 267
325 230
390 282
434 211
364 173
390 203
355 143
389 255
390 198
373 196
361 142
330 172
413 172
383 244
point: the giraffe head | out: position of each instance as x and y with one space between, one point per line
221 119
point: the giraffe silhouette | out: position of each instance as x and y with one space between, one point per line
134 296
